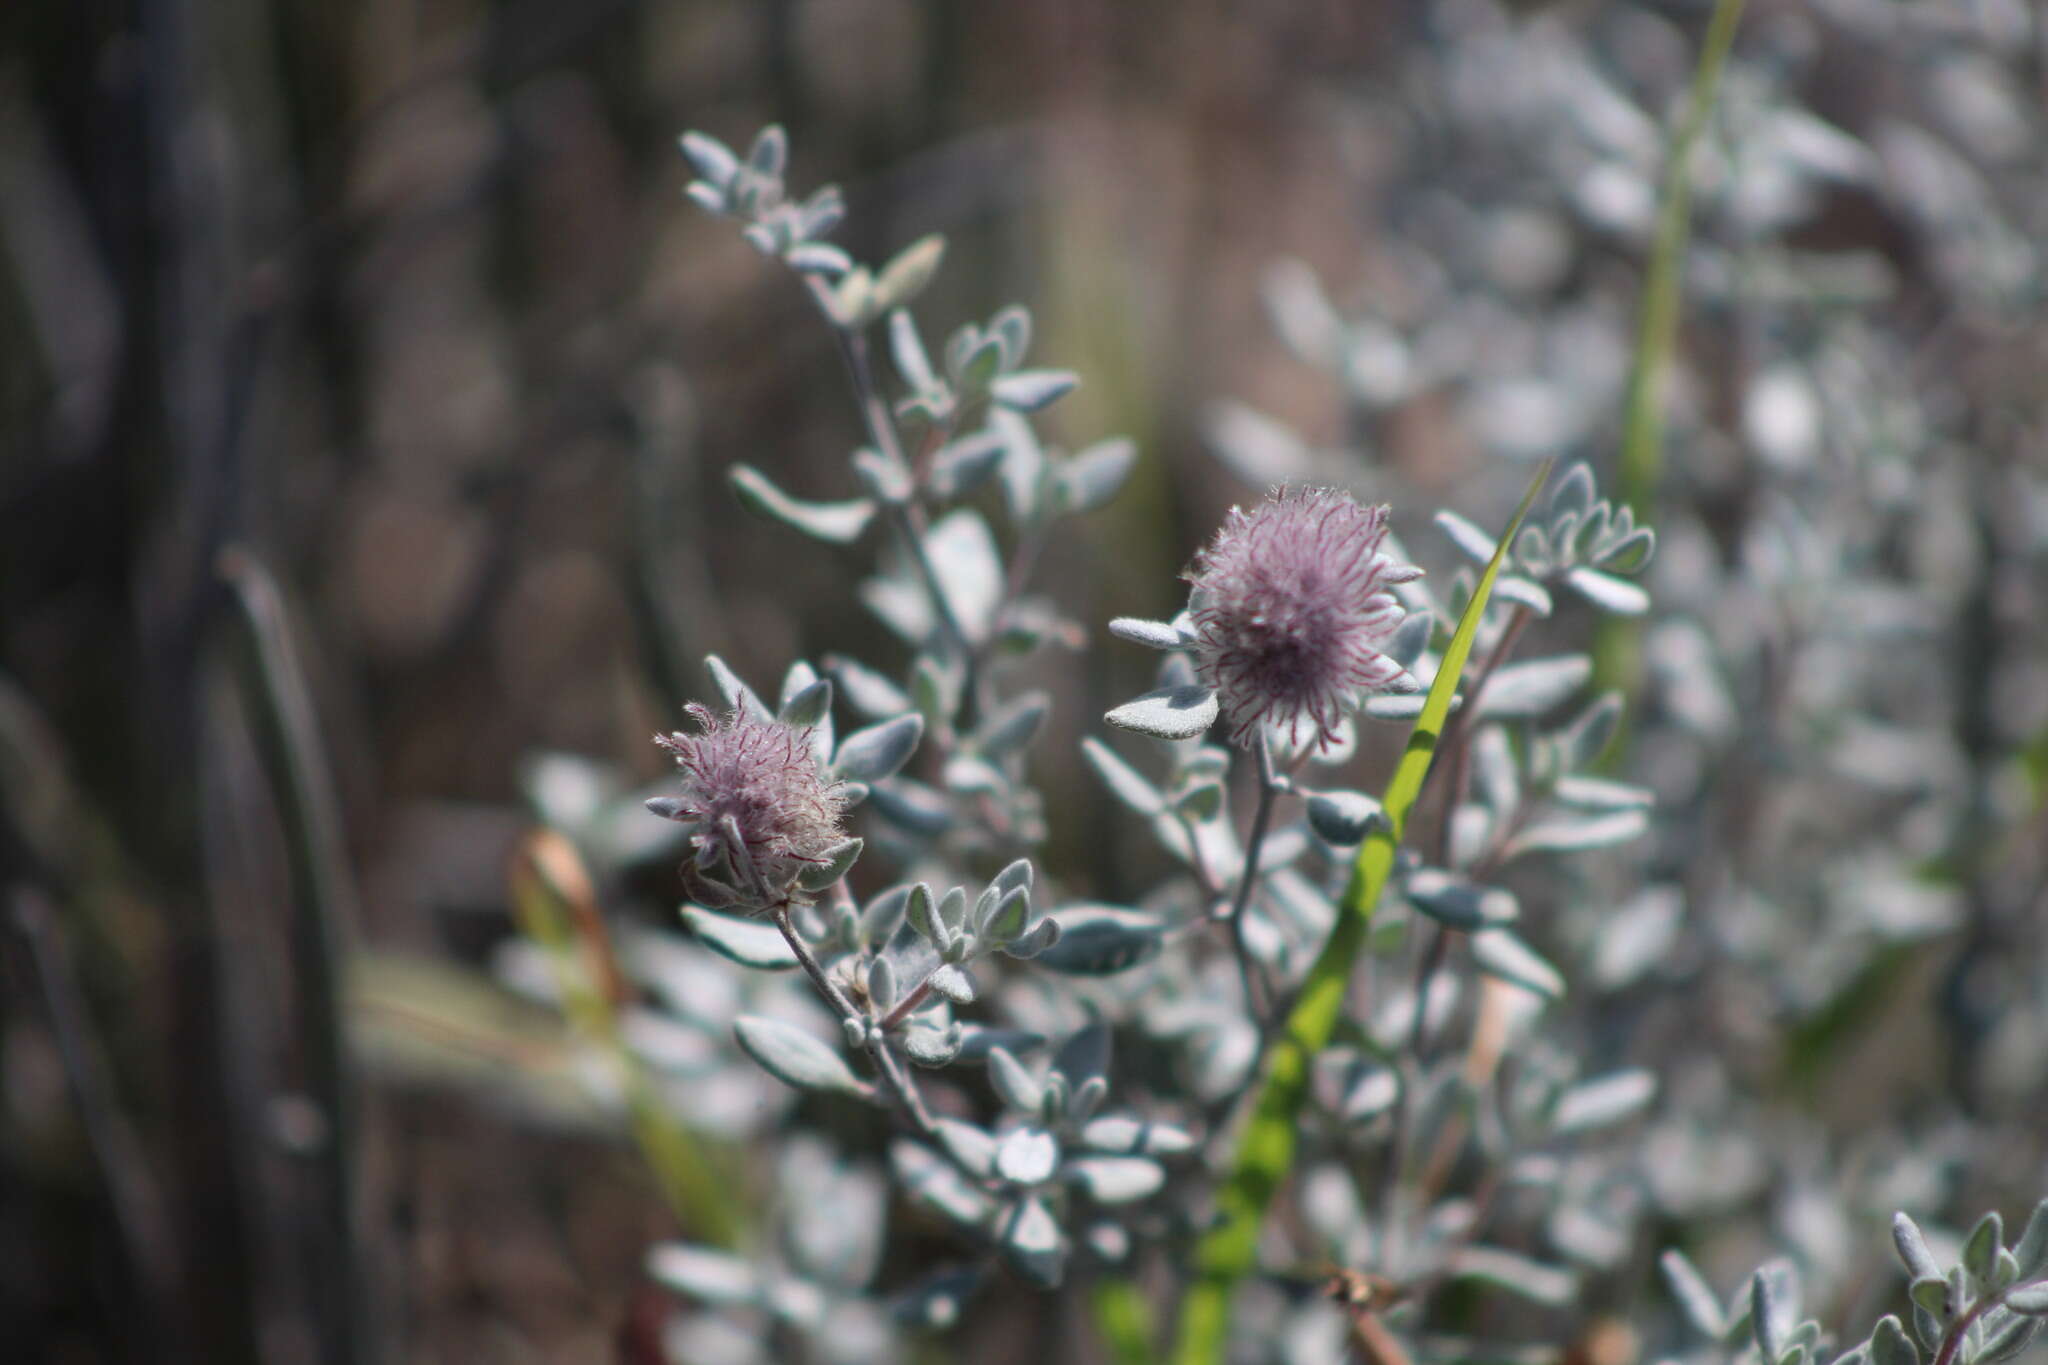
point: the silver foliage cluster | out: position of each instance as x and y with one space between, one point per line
1509 1112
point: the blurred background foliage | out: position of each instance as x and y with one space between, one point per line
366 394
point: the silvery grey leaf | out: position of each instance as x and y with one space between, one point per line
1013 1084
1763 1317
703 1274
2005 1270
1122 1135
2005 1336
953 909
747 942
1033 390
970 775
1093 477
1459 904
738 696
1013 724
1115 1179
906 348
931 1045
969 569
934 1303
1690 1288
975 365
974 1148
1573 494
1616 595
1085 1055
1012 325
1533 687
913 806
1043 935
878 751
1008 922
1466 536
921 909
708 197
1597 793
881 984
853 300
1099 940
1981 1248
1088 1097
1410 638
1532 551
769 155
1171 713
1343 818
1032 1243
1201 802
1497 952
1603 1102
1371 1093
1027 1156
709 158
1889 1344
1552 1286
2031 1299
1588 736
1572 834
908 272
1525 592
1629 554
1638 936
817 258
1154 634
867 691
839 860
769 238
957 984
822 212
1403 705
930 1178
1257 448
796 1058
1928 1328
964 465
1912 1249
667 807
1026 475
1121 778
2032 1248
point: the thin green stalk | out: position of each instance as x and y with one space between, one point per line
323 911
1642 441
1265 1153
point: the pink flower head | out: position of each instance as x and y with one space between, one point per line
760 810
1291 612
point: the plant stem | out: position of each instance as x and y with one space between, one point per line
1255 840
898 1081
906 519
1952 1340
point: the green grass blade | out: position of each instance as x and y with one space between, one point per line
1265 1152
1642 433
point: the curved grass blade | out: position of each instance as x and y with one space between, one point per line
1265 1153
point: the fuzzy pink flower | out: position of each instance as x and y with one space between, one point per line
761 812
1291 612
